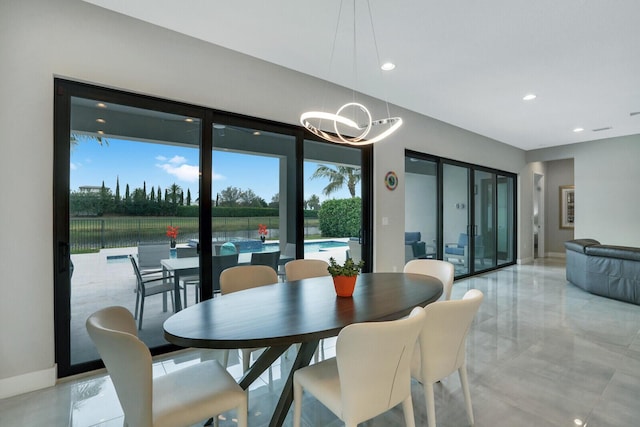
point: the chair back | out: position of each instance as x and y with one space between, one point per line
246 277
441 349
442 270
150 254
266 258
128 362
355 250
187 252
136 271
373 361
219 264
299 269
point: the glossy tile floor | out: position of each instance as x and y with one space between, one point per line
541 352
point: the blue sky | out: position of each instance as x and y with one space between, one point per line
162 165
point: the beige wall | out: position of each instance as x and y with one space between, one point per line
40 39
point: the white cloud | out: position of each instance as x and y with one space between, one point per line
161 158
73 166
178 160
183 172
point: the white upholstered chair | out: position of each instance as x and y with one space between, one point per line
441 347
299 269
180 398
369 375
442 270
240 278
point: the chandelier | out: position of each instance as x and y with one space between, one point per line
360 119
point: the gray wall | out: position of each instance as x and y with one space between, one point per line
558 173
40 39
606 178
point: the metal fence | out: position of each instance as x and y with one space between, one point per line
93 234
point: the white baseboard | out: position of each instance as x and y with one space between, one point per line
556 254
30 381
524 260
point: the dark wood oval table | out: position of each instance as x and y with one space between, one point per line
297 312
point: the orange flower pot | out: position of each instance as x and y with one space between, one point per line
344 285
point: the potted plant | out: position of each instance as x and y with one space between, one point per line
262 232
345 275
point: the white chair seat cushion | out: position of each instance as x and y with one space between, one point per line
323 382
205 389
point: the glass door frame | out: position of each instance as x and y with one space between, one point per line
472 226
63 91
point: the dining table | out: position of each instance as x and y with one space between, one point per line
295 312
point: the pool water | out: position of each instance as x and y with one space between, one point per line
310 246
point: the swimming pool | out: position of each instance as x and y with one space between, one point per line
309 247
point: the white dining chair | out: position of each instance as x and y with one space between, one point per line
369 375
243 277
299 269
442 270
441 347
180 398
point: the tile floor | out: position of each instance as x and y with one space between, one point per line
541 352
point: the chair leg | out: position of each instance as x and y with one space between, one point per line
431 404
225 359
184 299
407 408
135 316
141 310
297 403
243 414
246 359
464 381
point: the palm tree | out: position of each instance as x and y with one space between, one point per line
338 178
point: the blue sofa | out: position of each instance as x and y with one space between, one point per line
605 270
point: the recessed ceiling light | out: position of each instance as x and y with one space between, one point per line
388 66
101 132
188 120
529 97
101 121
101 105
578 129
256 133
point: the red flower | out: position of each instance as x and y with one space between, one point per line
262 229
172 232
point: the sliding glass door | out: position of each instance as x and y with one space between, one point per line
140 182
460 213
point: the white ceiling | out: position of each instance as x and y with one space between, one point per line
465 62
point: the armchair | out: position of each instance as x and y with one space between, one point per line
460 250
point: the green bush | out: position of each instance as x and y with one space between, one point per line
340 217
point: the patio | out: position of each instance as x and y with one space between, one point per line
106 278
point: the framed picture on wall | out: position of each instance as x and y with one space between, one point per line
567 206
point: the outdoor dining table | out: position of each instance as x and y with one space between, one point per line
188 266
297 312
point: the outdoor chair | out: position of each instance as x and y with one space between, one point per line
441 347
150 285
149 256
219 264
369 375
193 280
181 398
266 258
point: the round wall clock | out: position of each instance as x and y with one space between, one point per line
391 180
